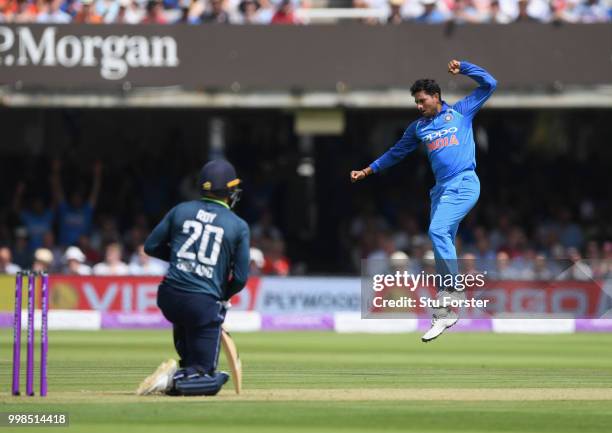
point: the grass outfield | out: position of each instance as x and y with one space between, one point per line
332 382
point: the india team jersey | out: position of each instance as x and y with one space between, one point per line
448 136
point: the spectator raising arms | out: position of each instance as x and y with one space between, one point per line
75 217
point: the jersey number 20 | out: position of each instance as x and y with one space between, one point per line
194 229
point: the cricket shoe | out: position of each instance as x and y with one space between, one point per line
160 380
205 384
439 325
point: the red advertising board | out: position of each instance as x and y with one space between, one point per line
138 294
122 294
584 299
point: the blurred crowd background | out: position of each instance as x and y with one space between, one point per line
545 180
292 11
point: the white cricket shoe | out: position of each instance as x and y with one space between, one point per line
439 325
160 380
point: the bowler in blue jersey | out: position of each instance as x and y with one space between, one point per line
446 132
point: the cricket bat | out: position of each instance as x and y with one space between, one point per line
233 359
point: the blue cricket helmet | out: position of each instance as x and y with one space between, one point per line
218 178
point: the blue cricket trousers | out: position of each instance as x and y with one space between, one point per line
451 200
196 320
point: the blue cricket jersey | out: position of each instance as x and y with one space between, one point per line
74 222
448 135
205 242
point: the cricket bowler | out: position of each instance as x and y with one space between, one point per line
207 246
446 131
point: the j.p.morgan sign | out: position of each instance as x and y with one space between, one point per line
294 58
112 55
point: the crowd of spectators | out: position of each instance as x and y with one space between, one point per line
559 250
539 233
287 11
491 11
149 11
544 192
66 233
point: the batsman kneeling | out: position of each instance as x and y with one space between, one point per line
207 246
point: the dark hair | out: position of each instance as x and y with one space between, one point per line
427 85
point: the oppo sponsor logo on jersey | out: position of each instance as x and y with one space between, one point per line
441 133
114 54
438 139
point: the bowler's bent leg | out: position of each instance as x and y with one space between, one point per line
449 206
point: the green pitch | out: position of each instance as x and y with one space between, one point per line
334 383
